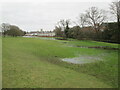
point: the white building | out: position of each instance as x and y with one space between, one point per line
41 34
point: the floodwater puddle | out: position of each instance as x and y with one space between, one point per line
82 59
96 47
100 47
45 38
28 36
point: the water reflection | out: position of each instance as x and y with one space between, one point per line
46 38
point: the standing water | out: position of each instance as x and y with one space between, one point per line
81 59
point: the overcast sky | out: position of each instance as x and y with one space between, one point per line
32 16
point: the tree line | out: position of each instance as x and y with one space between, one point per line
11 30
91 25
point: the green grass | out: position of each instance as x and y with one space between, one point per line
35 63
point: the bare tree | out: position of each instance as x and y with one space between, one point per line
67 23
61 24
64 25
95 17
82 20
115 10
4 27
58 31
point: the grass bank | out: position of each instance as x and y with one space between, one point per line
35 63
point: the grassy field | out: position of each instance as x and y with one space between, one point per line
35 63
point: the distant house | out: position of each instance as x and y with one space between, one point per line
41 33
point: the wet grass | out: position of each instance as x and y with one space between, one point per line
90 43
35 63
